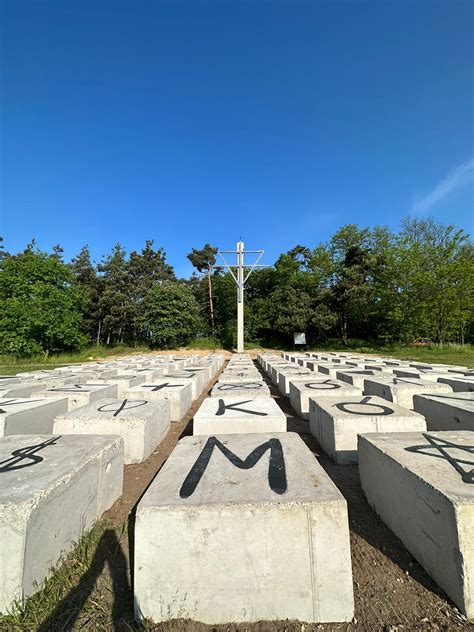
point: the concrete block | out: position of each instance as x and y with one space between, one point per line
447 411
336 422
80 394
234 377
29 415
421 485
231 415
179 394
51 490
285 377
332 369
142 424
195 380
6 380
123 382
302 390
357 377
401 389
458 384
242 389
22 389
212 535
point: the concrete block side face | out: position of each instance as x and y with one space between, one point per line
12 536
465 522
420 516
445 414
243 558
34 420
111 475
57 524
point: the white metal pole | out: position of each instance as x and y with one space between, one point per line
240 297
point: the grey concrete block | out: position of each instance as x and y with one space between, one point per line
51 490
401 389
336 423
80 394
241 389
179 394
458 384
447 411
230 415
302 390
421 485
224 536
142 424
29 415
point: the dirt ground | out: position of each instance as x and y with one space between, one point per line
392 591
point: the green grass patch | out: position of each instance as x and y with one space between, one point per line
78 594
204 344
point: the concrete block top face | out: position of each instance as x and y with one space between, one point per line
408 383
225 390
33 465
363 407
239 408
323 386
9 405
462 401
121 409
242 469
71 389
444 460
163 386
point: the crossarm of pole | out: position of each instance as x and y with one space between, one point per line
226 265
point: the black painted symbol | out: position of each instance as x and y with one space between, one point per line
16 402
276 465
344 407
158 387
125 405
15 462
325 386
223 407
439 447
237 387
71 389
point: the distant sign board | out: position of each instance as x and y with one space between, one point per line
300 339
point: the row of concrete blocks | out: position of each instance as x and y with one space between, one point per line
141 416
420 483
54 486
212 531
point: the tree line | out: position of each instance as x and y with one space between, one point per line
364 283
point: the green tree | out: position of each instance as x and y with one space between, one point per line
41 305
171 315
86 278
203 260
115 301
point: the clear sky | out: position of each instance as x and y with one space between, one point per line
194 122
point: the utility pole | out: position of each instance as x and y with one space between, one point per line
240 279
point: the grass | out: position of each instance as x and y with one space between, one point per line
75 596
10 364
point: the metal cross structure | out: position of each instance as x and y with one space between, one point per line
240 279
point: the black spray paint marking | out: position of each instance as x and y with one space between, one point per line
223 407
276 465
344 407
125 405
158 387
438 448
15 462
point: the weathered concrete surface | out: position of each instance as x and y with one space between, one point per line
23 389
217 543
401 389
285 377
234 377
357 377
447 411
422 486
80 394
336 422
179 394
51 490
229 415
29 415
123 382
302 390
458 384
241 389
142 424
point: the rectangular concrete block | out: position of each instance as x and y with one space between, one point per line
52 488
336 422
29 415
142 424
357 377
447 411
229 415
400 390
123 382
421 485
234 377
179 394
212 535
458 384
302 390
194 379
285 377
80 394
241 389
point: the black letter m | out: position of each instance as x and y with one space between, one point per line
276 466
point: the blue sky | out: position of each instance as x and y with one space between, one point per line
194 122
